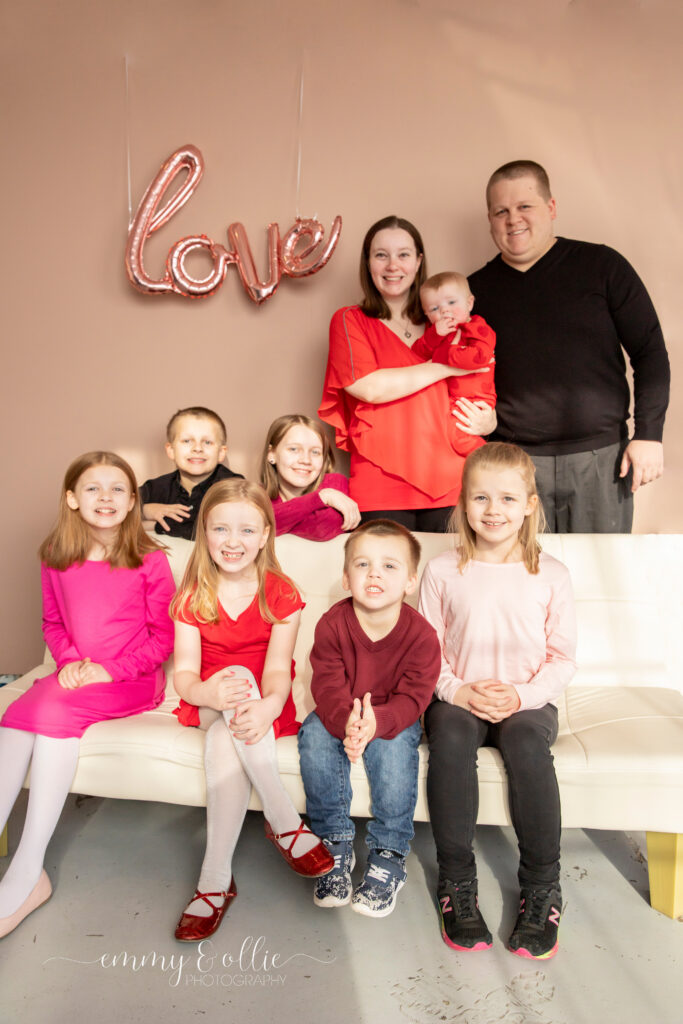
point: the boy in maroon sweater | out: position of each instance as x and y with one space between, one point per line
375 664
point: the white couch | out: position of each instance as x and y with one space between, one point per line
619 753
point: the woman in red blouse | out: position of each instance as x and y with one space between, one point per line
390 409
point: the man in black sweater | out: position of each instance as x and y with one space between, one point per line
564 312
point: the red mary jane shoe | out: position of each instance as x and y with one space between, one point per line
191 928
313 864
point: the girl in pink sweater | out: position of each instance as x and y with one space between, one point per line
107 587
504 614
308 500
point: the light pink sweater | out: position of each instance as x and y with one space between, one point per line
500 622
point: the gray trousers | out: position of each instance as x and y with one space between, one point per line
583 492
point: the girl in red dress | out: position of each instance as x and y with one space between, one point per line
236 619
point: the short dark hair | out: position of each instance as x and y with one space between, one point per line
384 528
198 411
373 304
520 169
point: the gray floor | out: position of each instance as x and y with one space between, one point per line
102 949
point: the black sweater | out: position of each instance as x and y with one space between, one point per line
560 369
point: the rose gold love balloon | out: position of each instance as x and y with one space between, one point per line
299 255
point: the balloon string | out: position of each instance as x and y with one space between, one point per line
130 197
298 161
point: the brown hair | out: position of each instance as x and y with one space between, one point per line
198 411
520 169
70 539
198 591
276 432
384 528
500 456
447 277
373 304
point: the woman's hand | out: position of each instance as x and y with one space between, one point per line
224 691
343 504
253 719
475 417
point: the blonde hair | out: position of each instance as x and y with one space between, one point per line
199 412
500 456
70 539
520 169
446 277
198 591
276 432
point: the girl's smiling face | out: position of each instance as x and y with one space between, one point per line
496 506
103 497
298 460
235 533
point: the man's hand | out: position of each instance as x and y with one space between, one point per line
646 458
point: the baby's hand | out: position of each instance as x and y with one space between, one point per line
69 677
253 719
223 691
445 325
158 513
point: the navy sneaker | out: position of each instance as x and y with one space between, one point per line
334 889
384 875
462 925
535 933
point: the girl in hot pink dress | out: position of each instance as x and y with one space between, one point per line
107 587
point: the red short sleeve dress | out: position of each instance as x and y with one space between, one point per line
244 641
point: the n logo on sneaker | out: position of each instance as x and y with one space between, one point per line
554 916
445 902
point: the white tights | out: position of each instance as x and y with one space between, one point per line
53 766
232 767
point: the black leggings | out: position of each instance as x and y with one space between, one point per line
417 520
524 741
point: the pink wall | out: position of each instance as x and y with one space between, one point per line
408 107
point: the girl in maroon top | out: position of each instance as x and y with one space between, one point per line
307 498
236 619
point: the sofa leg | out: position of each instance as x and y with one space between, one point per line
665 868
3 842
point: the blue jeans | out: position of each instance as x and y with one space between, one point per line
391 768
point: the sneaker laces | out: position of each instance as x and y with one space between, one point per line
536 907
464 895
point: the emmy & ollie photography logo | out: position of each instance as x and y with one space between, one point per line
253 966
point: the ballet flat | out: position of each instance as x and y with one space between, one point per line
192 928
313 864
39 894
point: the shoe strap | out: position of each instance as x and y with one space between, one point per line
303 829
205 896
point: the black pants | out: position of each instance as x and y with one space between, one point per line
524 741
417 520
